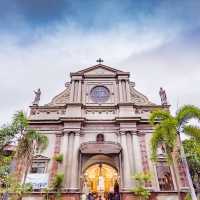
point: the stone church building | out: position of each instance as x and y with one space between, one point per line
99 123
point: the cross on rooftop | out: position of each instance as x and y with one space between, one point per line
99 60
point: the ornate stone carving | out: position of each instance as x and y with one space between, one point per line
37 97
163 96
62 98
103 147
99 69
137 98
40 157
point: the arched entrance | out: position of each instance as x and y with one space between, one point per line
101 179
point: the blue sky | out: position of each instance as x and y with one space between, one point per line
43 40
30 18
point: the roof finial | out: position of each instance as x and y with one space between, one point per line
99 60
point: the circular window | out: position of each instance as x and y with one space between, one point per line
100 138
99 94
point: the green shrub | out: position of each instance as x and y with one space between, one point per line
57 181
140 190
58 158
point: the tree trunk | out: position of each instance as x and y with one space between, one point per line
176 179
183 158
191 186
26 170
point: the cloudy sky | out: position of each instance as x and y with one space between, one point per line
42 41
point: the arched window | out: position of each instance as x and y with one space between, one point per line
164 177
100 138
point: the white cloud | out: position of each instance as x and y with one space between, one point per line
46 63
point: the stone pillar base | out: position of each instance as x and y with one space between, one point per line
123 196
52 196
154 196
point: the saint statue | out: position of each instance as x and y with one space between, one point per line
163 96
161 150
37 97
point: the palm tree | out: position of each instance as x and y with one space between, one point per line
27 146
29 141
168 130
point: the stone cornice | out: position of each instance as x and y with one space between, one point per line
122 119
44 121
76 131
56 121
125 104
46 107
75 104
131 131
100 107
74 119
152 106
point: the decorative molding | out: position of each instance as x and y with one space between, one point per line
138 98
40 157
100 147
97 68
62 98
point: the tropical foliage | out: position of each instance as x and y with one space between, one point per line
192 152
140 190
167 129
169 126
28 142
57 181
57 184
14 189
4 168
59 158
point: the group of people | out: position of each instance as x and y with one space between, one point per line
106 196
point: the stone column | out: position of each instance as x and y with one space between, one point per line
84 92
127 183
123 84
69 159
130 152
128 95
121 170
134 148
75 162
120 92
65 153
79 91
72 92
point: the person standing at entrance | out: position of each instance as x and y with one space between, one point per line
90 196
116 196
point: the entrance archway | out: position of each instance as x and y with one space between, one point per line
101 179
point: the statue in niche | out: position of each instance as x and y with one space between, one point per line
37 97
163 96
161 150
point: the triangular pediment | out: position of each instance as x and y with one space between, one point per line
99 70
40 157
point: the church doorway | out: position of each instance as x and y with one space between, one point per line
101 180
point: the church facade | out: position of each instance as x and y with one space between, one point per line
99 125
